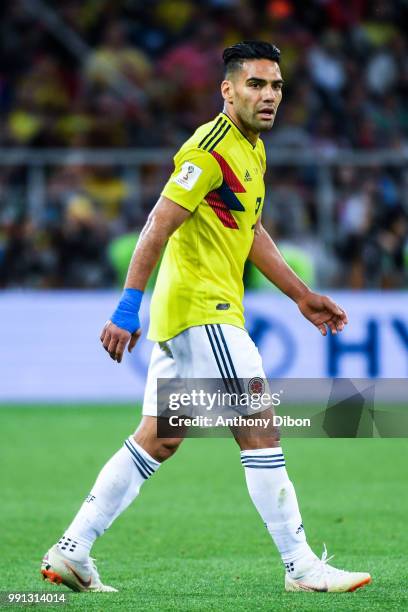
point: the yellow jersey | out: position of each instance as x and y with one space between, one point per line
218 176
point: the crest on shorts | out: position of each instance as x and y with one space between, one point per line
256 386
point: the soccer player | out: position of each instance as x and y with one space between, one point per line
209 213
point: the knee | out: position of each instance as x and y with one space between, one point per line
253 440
158 448
167 447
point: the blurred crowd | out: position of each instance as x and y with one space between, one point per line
127 73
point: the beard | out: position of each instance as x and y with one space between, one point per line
265 125
252 122
258 125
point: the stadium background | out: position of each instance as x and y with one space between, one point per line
95 98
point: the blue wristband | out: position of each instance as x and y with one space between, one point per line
126 314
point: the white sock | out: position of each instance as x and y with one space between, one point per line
274 497
115 488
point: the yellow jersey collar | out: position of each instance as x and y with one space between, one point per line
240 133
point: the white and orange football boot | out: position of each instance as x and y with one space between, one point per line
323 578
80 577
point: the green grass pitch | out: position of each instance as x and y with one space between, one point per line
193 540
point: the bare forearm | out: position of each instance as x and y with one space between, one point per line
146 255
164 219
266 257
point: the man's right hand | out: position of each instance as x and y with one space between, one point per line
115 340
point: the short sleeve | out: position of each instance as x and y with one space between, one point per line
196 173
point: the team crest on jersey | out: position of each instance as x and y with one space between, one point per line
188 175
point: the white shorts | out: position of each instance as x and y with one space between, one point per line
206 351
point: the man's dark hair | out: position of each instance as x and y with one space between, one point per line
235 55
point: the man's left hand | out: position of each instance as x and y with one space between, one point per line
322 312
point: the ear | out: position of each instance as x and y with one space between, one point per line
227 90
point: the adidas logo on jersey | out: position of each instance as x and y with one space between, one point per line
247 177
